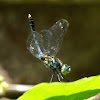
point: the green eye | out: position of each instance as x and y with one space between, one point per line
65 69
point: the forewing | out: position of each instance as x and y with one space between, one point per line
52 38
47 42
35 44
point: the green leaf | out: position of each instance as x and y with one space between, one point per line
77 90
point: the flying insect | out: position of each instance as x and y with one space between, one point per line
45 45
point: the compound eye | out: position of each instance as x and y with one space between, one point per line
65 69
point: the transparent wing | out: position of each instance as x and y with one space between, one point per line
47 42
53 37
35 44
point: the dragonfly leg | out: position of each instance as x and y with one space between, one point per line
63 78
52 77
58 77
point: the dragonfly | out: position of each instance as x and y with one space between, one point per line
45 45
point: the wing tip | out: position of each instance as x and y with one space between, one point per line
67 24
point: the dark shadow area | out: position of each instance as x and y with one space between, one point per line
76 96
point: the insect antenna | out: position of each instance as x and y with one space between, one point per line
31 22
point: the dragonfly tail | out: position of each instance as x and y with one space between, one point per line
31 22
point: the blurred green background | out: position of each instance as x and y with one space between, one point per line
80 48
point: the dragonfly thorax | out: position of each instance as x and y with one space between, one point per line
56 65
52 62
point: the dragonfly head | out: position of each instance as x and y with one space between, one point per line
65 69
